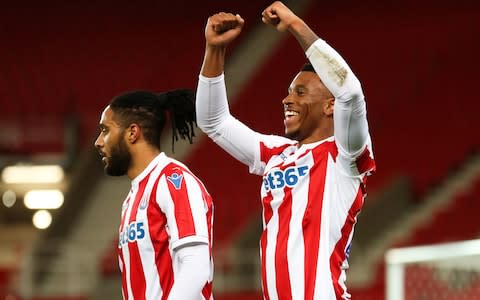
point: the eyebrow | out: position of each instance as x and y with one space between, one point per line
300 86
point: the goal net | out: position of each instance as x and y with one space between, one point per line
448 271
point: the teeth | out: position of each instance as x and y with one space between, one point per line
290 113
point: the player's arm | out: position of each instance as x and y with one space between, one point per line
213 114
193 271
351 128
181 199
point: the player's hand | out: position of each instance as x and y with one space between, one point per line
222 28
279 16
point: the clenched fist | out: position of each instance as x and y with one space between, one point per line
278 15
222 28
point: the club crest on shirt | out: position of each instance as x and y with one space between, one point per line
143 203
176 180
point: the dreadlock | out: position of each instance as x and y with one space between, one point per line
181 104
149 111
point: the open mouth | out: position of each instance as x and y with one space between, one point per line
290 114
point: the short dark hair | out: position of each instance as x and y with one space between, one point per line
307 67
149 111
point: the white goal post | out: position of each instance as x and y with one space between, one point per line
456 255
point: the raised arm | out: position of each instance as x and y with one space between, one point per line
350 122
213 115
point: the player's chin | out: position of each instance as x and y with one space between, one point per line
291 134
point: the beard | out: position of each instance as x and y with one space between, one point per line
119 161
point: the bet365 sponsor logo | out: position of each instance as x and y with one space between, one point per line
133 232
278 179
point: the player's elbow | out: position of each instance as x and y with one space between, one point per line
207 126
351 91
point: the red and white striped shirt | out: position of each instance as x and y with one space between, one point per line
310 206
311 194
167 207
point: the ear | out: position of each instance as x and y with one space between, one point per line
133 133
328 110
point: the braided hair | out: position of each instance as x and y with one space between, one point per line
149 111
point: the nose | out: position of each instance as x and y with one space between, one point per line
98 142
287 100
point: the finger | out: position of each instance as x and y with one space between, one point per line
265 17
270 17
240 20
270 12
225 25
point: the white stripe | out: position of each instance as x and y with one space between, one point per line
323 283
296 242
271 246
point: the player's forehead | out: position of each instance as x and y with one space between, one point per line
305 79
107 117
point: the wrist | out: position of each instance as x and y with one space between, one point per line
214 61
215 49
296 26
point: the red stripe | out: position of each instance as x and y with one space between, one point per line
313 217
338 255
266 153
365 163
207 290
284 289
267 215
156 224
183 211
137 275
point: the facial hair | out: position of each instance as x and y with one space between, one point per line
119 160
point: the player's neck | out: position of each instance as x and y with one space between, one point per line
320 134
141 158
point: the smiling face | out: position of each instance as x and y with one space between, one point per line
308 109
112 146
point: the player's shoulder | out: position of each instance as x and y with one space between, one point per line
276 141
171 165
172 173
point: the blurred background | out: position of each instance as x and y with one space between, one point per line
62 61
